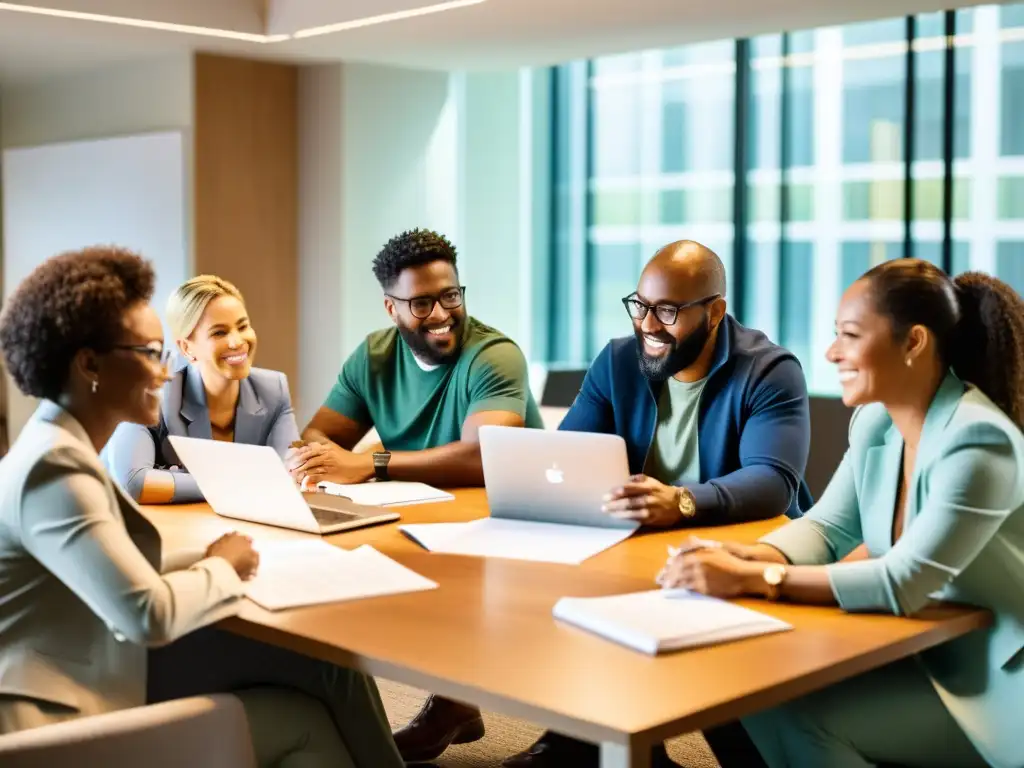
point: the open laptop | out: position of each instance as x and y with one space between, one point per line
547 476
250 482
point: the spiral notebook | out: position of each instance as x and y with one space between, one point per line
665 619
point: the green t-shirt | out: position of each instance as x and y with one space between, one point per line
415 407
675 456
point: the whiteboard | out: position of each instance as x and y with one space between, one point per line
128 191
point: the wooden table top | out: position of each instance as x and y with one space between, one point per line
487 635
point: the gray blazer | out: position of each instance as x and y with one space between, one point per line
81 594
264 417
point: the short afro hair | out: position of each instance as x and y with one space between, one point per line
411 249
72 301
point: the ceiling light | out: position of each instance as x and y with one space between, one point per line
383 18
250 37
142 23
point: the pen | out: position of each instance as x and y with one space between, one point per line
693 547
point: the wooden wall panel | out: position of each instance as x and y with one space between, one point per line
245 188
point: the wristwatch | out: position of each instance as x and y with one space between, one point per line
380 464
774 575
687 504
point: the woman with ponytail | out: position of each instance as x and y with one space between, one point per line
933 486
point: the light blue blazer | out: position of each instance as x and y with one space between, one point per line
963 542
264 416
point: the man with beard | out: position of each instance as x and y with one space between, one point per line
716 423
427 385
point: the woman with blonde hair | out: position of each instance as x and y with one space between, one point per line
215 393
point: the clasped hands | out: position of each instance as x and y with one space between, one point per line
311 463
719 569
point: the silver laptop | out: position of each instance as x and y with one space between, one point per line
250 482
547 476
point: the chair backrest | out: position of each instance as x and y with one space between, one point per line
198 732
562 386
830 426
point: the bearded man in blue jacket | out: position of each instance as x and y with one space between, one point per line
716 423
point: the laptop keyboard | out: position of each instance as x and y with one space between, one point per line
332 517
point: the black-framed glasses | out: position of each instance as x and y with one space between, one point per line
422 306
156 353
667 314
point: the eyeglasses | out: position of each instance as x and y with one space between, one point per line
667 314
155 353
422 306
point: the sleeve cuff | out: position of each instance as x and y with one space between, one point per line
801 541
510 404
224 575
862 586
186 489
705 497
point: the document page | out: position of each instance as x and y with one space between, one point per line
516 539
665 619
298 573
388 494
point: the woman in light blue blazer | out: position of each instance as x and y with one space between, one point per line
933 486
215 394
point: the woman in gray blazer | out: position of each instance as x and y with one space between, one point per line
215 393
83 588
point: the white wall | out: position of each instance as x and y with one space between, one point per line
134 97
417 149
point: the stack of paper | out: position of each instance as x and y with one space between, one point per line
516 539
389 494
296 573
665 619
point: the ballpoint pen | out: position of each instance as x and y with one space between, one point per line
693 547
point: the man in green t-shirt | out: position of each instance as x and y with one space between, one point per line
427 385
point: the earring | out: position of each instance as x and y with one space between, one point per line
194 359
95 385
909 361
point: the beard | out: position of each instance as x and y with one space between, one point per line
681 354
426 349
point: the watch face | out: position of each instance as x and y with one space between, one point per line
774 574
686 506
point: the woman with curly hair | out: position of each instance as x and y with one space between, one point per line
82 595
933 485
217 394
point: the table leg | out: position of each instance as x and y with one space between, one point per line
622 756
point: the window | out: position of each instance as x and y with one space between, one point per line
851 145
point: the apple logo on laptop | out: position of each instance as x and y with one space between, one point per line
554 475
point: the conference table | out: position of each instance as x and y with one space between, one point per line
487 637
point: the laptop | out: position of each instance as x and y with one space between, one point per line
547 476
250 482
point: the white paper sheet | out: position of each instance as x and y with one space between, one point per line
389 494
665 620
516 539
297 573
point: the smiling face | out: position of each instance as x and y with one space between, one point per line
223 342
870 357
131 375
435 338
666 349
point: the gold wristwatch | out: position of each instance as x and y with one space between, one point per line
774 575
687 504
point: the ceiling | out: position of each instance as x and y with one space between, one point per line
492 34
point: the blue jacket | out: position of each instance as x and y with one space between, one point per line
753 431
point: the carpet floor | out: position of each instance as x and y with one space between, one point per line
506 736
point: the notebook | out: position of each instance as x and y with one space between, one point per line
310 572
393 493
665 619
